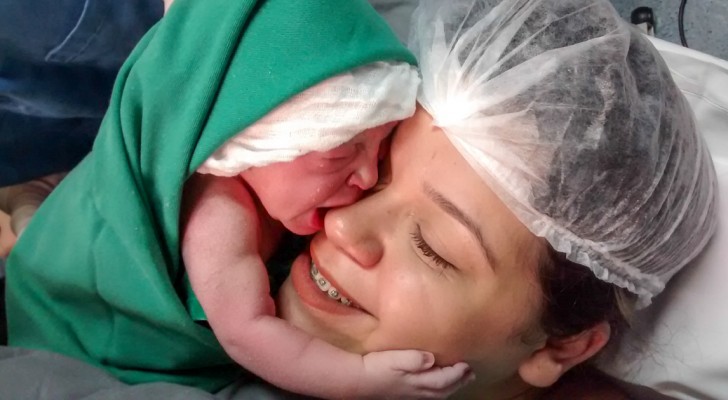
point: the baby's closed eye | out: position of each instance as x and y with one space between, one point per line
342 152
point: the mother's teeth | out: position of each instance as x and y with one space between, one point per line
325 286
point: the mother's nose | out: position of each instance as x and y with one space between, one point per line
353 229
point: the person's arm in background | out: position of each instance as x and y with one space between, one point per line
54 89
58 69
21 201
7 239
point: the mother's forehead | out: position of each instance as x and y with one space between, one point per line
429 163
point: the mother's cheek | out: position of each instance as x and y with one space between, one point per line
405 313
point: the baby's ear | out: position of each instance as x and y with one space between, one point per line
546 365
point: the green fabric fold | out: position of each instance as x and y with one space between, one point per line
97 274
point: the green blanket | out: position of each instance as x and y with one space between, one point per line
97 275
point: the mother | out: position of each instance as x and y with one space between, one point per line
551 181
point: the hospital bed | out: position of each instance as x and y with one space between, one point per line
680 343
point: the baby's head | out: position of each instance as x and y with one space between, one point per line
297 193
321 148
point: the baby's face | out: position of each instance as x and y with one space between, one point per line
298 193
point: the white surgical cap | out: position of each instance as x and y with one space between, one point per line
572 118
321 118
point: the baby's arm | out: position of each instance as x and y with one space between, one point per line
220 248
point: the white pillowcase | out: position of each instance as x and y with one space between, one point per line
680 346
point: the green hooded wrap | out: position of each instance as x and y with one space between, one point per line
97 274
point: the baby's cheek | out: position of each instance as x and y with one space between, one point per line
343 195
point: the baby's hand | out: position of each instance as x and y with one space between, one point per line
410 374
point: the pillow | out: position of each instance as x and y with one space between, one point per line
680 345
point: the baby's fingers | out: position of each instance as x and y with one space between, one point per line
441 382
410 374
407 361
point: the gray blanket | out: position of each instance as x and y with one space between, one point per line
32 374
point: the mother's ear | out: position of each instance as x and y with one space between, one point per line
546 365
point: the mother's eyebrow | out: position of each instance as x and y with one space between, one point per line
450 208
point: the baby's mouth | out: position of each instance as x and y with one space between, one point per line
318 218
326 287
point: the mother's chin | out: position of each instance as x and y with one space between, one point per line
294 304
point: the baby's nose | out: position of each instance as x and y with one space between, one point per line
365 176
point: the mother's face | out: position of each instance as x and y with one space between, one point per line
432 259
